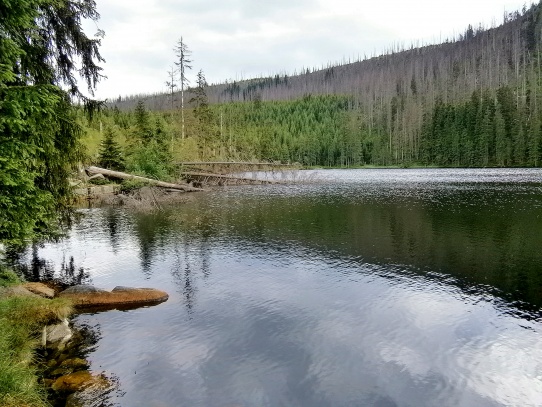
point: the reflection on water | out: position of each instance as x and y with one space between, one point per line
380 288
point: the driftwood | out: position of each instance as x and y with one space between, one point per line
247 163
123 175
205 177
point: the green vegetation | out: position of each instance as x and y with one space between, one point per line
472 101
40 43
110 155
39 134
488 130
21 322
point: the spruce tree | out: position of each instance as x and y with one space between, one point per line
110 152
42 45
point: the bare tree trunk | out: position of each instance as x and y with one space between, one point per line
123 175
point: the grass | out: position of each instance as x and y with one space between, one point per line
21 322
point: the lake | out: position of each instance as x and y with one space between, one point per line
415 287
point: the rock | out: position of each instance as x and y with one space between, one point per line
120 296
93 395
75 363
40 289
69 366
78 381
96 176
82 289
16 291
57 335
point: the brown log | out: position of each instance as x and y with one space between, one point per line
123 175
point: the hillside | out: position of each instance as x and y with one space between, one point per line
473 101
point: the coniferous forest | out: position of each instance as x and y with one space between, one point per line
472 101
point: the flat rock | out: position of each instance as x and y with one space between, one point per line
16 291
119 296
82 289
40 289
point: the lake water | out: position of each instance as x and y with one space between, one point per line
365 288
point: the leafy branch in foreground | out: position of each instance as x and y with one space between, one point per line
40 42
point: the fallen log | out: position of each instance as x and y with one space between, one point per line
123 175
206 176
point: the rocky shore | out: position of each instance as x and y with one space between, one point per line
63 372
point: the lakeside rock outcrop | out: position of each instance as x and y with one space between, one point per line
87 296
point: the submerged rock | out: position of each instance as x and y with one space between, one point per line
69 366
93 395
84 296
79 381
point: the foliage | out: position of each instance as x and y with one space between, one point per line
39 142
8 278
150 160
40 41
99 181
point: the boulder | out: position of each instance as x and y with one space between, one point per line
40 289
79 381
91 297
16 291
56 336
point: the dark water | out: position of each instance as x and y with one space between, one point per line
369 288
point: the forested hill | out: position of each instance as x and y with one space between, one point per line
473 101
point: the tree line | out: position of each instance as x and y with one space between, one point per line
421 105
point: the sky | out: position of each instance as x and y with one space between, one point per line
242 39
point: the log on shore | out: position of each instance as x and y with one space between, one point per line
123 175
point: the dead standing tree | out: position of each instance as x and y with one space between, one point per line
183 63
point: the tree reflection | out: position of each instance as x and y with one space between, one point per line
40 269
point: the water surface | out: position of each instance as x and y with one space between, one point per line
367 288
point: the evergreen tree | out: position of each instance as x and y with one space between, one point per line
41 42
110 152
142 123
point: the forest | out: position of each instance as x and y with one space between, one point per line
472 101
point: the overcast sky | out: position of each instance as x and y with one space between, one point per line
240 39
